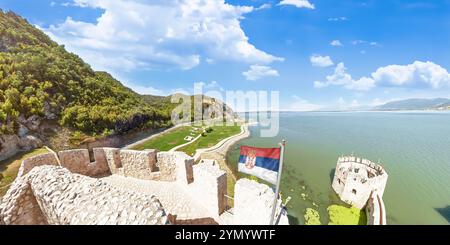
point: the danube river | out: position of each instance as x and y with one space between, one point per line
413 147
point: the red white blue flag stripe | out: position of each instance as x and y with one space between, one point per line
263 163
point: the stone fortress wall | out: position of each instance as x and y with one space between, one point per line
361 183
53 195
375 210
70 189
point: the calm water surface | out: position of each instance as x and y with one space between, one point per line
414 148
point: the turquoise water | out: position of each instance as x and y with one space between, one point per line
414 148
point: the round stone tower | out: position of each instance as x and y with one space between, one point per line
356 178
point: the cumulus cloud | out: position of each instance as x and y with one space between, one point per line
257 72
298 3
336 43
321 61
342 78
417 73
133 34
300 104
422 74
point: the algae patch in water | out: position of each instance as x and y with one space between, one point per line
340 215
312 217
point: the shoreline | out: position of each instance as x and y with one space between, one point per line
217 152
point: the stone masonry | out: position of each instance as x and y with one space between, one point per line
78 161
54 195
253 204
361 183
39 160
131 187
210 186
356 178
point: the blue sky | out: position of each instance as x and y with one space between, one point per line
319 54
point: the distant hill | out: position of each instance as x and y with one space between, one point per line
208 103
416 104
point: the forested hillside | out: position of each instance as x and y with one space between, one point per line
40 78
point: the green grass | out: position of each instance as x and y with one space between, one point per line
167 140
340 215
210 139
10 167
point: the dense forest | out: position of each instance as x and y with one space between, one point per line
40 78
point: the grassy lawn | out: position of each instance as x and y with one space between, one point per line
210 139
168 140
10 167
340 215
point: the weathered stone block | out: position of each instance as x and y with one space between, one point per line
138 164
39 160
112 157
253 203
175 166
210 186
60 197
76 161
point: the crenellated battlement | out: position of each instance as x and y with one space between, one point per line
357 179
379 170
188 193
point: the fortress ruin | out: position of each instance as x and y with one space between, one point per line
131 187
361 183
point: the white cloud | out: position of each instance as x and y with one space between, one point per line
342 78
52 4
356 42
417 73
145 90
300 104
421 74
321 61
264 6
133 34
257 72
371 43
343 105
336 43
342 18
298 3
213 85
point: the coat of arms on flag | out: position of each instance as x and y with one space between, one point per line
263 163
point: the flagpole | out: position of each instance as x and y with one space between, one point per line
277 192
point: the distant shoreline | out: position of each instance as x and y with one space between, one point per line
435 111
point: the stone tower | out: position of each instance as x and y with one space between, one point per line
355 179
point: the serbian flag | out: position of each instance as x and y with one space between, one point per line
260 162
